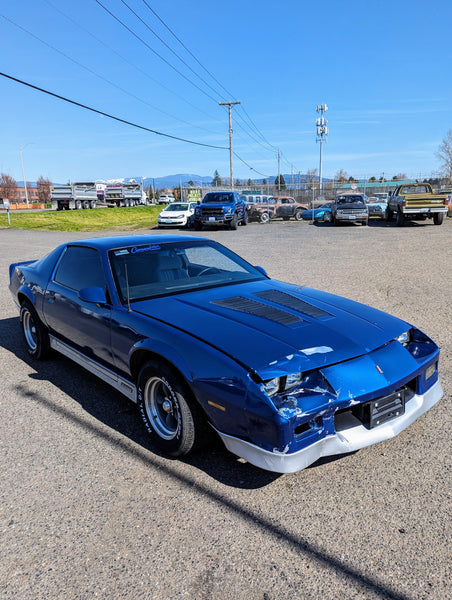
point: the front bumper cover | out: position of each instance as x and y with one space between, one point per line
341 442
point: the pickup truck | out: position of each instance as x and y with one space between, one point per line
220 208
416 201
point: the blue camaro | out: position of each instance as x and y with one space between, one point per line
202 341
321 213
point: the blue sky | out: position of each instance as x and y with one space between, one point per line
382 67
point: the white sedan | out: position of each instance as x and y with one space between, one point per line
177 214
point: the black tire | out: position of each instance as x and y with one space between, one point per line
438 218
264 217
244 221
298 216
78 204
93 204
327 217
400 219
234 222
335 222
172 418
85 204
388 214
198 226
35 333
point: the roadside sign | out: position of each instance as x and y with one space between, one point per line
354 186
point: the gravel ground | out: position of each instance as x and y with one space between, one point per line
89 509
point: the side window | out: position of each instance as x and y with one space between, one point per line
80 267
291 201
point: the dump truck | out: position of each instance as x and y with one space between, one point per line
74 196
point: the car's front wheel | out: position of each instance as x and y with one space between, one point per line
400 219
233 223
171 416
35 333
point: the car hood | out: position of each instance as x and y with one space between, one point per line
174 213
269 325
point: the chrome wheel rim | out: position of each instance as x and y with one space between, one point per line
162 408
30 330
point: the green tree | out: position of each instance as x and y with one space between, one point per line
280 182
216 181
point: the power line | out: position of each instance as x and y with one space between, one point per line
167 46
104 114
154 51
139 69
79 64
213 77
187 49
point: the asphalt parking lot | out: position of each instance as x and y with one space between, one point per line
89 509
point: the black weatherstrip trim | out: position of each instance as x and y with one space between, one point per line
253 307
292 302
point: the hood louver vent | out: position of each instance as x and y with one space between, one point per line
253 307
292 302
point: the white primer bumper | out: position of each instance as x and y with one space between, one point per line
340 443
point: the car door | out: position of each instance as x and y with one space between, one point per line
83 325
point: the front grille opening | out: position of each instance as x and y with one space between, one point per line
299 429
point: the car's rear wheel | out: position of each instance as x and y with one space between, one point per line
169 413
388 215
298 216
233 224
438 218
35 333
327 217
264 218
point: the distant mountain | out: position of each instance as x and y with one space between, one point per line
172 181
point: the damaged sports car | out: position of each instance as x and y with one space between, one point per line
204 342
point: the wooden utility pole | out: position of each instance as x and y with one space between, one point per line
229 104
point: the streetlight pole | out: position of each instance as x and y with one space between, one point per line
229 104
23 172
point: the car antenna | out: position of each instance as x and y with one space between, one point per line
127 287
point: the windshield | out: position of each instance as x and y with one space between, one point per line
350 200
176 206
219 197
143 272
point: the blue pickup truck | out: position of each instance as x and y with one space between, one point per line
220 208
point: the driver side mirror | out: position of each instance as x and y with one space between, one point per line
94 295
